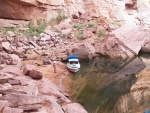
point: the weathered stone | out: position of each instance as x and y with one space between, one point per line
62 56
15 59
3 104
87 33
13 70
131 6
32 71
10 33
1 47
49 33
2 81
113 48
112 27
29 108
132 36
19 52
66 31
46 87
13 82
28 68
19 44
55 106
75 16
34 44
5 86
46 61
36 74
84 51
12 110
6 46
73 108
16 99
1 66
9 91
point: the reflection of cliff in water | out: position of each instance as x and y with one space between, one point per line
109 86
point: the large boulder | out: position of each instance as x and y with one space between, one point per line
113 48
85 51
132 36
32 71
123 42
7 47
12 110
146 46
16 99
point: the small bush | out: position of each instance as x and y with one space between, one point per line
79 35
79 26
101 33
36 29
58 19
6 29
68 36
58 31
91 25
117 24
53 22
60 15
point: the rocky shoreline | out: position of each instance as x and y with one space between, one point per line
28 83
26 66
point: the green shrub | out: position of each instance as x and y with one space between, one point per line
91 24
58 19
53 22
79 35
32 29
60 15
6 29
36 29
117 24
66 36
79 26
101 33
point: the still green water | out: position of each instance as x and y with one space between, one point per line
103 85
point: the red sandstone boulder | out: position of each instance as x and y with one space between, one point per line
16 99
32 71
87 33
85 51
7 47
124 44
113 48
132 36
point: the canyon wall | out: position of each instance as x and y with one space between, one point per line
125 11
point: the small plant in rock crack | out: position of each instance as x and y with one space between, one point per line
79 26
79 35
37 29
91 24
101 33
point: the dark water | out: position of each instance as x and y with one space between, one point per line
106 85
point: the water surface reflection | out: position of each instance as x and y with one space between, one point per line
113 86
